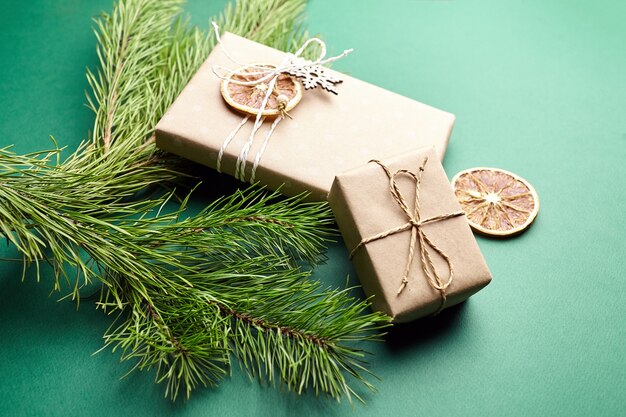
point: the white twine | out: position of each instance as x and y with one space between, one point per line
291 62
227 141
263 146
240 168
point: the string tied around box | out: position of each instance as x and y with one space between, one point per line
415 223
263 91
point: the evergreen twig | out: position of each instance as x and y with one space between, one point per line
189 291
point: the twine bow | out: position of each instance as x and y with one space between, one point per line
292 63
415 223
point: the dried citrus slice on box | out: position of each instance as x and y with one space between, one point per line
286 93
496 202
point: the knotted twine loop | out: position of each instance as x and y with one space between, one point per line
291 62
415 224
270 76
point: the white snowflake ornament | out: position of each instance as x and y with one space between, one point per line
314 75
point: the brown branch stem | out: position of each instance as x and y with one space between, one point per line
260 219
113 94
159 322
265 325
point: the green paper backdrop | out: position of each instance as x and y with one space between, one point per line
538 88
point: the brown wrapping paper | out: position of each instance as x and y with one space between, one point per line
328 134
364 207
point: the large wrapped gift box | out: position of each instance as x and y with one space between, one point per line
328 134
412 261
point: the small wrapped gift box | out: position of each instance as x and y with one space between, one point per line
410 243
328 134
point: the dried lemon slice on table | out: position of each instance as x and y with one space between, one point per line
287 91
496 202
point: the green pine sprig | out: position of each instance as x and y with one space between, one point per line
190 292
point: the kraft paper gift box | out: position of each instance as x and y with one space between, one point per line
328 134
365 208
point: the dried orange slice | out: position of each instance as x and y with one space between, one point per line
496 202
286 93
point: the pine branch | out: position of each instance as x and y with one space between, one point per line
271 316
222 266
145 61
189 291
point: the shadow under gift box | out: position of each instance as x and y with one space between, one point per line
329 134
364 207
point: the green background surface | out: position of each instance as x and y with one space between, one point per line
538 88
